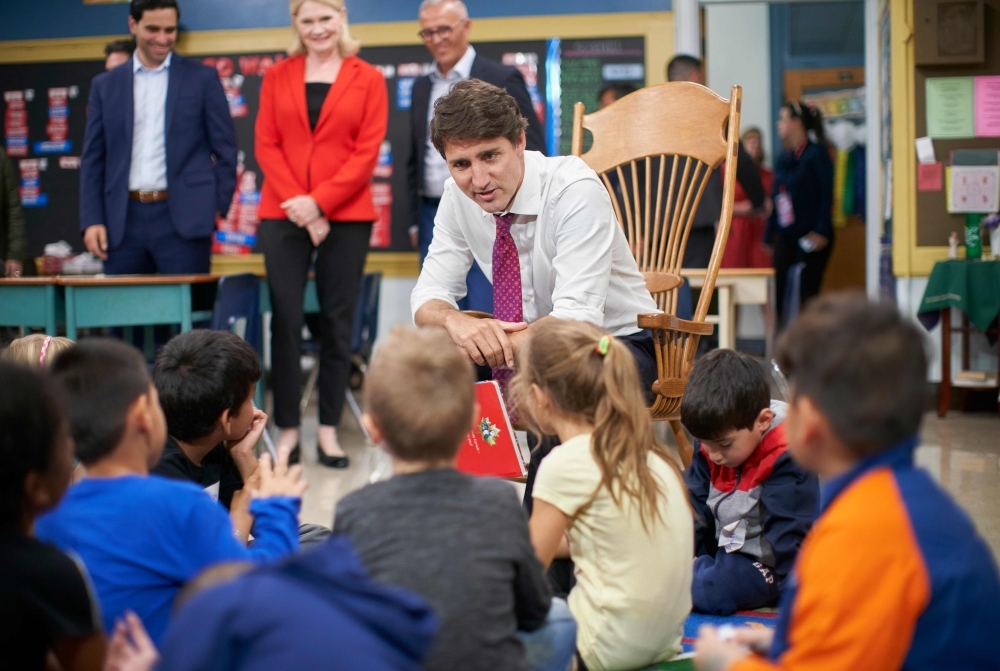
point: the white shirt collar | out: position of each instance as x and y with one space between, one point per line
527 197
137 65
461 70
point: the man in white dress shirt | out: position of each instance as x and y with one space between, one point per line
572 259
445 29
159 155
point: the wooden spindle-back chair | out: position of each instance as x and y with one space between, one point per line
655 150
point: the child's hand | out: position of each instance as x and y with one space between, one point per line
242 450
280 480
130 648
711 653
239 513
758 639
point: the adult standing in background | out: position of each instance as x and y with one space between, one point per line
444 28
801 227
159 155
323 115
13 237
701 240
118 53
745 247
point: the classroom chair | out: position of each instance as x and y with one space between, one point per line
655 150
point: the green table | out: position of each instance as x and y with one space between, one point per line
974 288
131 300
32 301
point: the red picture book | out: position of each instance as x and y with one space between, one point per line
491 448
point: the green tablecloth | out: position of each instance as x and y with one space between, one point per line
971 286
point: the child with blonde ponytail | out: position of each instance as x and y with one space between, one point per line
612 490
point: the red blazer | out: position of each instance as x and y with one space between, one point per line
334 164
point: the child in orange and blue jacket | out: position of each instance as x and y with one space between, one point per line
893 574
753 505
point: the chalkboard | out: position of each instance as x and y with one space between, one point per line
45 119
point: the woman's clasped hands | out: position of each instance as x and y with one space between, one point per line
305 212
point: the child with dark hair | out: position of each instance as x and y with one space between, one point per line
142 537
893 574
206 381
46 600
458 541
753 504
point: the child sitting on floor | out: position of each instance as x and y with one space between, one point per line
613 490
753 505
45 597
206 380
142 537
893 574
36 349
317 610
458 541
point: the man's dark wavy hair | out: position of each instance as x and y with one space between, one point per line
475 110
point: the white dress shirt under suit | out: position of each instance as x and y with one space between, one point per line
148 171
575 260
435 168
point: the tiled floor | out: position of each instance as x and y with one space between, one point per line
961 451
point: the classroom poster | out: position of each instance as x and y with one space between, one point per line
987 106
975 188
950 107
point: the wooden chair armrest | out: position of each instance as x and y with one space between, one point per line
665 322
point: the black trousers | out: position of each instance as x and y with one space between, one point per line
786 254
340 262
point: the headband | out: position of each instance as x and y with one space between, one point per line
45 350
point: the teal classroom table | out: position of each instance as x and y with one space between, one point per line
131 300
32 301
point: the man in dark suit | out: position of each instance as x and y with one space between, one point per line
159 157
445 27
701 240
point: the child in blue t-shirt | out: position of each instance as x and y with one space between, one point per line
140 536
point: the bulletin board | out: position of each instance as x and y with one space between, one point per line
45 118
933 222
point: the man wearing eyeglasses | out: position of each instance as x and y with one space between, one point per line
444 28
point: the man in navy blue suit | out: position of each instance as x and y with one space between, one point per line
159 158
444 28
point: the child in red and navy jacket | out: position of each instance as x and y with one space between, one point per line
753 505
893 574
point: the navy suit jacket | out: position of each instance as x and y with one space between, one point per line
200 146
491 72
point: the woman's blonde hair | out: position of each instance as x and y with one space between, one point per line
28 351
598 381
346 45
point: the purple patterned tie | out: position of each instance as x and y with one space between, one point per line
507 304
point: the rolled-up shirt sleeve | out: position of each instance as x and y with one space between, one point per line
448 260
583 241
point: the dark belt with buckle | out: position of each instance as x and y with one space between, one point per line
148 196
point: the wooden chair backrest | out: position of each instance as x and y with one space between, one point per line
655 150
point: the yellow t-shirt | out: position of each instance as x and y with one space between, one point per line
633 586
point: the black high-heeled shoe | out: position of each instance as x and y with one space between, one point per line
332 462
295 456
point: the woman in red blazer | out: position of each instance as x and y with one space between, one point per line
323 115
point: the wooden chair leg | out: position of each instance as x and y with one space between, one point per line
684 447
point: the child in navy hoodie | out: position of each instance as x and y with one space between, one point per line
753 505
